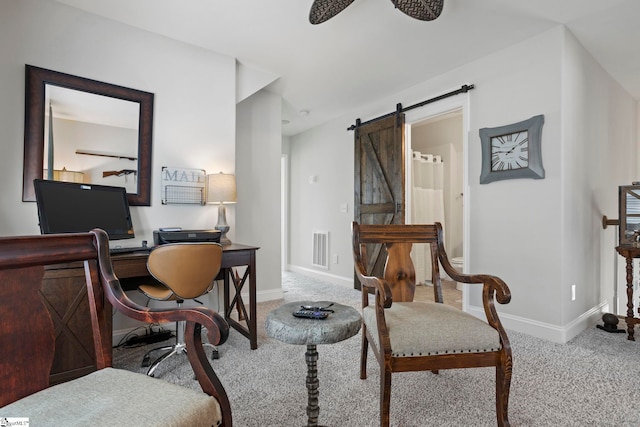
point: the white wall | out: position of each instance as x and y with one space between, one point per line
194 110
519 229
259 147
515 223
326 153
599 154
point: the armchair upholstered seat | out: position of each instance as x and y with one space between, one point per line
106 396
457 331
414 336
91 401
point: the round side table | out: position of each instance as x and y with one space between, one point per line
343 323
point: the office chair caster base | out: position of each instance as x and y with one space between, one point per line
177 349
214 350
146 360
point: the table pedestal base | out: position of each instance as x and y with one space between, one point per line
343 323
313 410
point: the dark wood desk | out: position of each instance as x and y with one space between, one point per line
131 269
629 253
65 295
236 255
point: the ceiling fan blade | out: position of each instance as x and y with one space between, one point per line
322 10
424 10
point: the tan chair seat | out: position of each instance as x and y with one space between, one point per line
90 401
158 292
450 330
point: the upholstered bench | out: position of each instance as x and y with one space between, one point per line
107 396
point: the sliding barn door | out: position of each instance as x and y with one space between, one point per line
379 179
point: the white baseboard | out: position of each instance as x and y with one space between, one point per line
268 295
346 282
547 331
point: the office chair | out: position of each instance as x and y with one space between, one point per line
185 271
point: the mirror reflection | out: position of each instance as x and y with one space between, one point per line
629 200
99 133
90 138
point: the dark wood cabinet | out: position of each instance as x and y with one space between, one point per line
64 292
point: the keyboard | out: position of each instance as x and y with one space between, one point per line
130 250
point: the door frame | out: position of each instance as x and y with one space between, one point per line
284 211
461 103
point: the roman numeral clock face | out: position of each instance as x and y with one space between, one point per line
510 152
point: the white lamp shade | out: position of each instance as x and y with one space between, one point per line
65 175
221 188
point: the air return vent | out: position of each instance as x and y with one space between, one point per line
320 251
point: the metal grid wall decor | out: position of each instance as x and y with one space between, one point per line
180 186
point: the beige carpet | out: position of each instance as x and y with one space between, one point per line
592 381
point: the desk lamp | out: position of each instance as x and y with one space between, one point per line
221 189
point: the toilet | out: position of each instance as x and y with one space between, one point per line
458 264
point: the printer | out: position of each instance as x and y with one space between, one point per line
160 237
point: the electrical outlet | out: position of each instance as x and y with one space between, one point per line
573 292
335 258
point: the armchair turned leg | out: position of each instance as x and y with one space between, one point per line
385 397
503 385
363 354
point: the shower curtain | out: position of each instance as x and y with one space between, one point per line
427 205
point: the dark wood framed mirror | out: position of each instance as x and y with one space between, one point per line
629 215
37 80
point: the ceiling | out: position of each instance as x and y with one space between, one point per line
370 50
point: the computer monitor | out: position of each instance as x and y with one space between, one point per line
66 207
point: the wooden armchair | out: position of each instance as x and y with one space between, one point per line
414 336
107 396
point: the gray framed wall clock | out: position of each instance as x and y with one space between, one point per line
512 151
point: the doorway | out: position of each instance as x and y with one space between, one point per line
436 146
284 212
440 130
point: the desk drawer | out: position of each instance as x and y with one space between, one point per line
130 266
